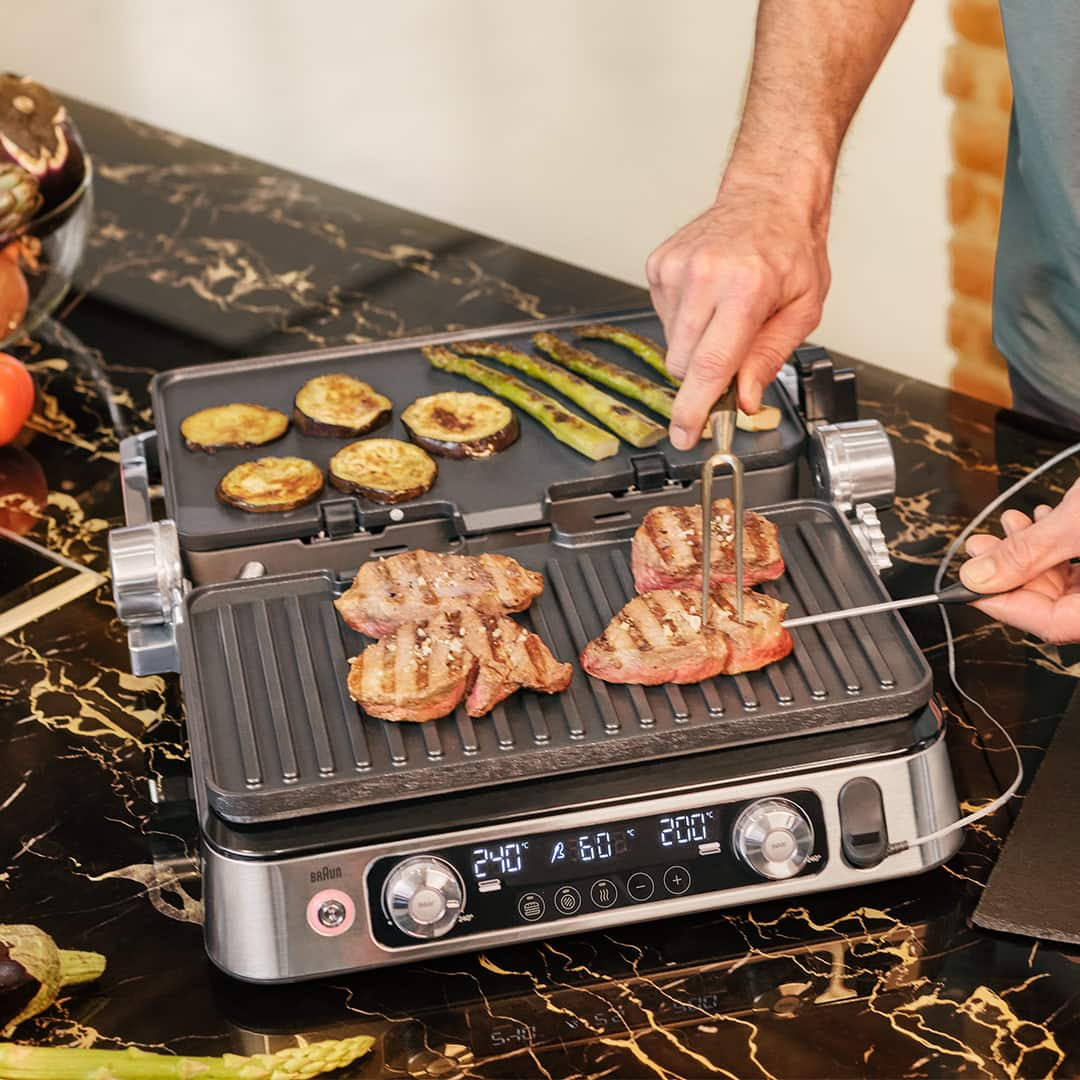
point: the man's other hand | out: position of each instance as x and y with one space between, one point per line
1034 560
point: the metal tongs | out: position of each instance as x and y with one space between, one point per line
722 423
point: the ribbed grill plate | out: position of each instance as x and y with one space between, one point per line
274 732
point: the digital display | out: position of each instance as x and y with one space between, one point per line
564 856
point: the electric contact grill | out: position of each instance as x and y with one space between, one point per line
334 841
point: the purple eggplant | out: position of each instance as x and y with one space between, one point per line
33 970
37 134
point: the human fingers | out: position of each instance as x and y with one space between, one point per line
1054 620
1024 554
771 348
715 361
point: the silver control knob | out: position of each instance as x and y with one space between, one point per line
852 463
423 896
148 577
773 837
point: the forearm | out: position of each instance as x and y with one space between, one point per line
813 61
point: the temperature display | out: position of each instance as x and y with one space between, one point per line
500 860
679 829
591 847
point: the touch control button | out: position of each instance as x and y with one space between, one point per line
531 906
604 893
640 886
677 880
330 912
567 900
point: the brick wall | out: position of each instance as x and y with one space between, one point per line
977 79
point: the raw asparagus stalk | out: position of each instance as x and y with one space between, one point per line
33 970
642 347
585 438
658 398
77 1063
627 423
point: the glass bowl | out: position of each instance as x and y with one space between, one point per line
47 251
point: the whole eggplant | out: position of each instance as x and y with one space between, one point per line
33 970
37 134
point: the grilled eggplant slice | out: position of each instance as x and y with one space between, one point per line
271 484
460 424
384 470
339 407
236 426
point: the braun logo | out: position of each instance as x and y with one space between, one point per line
327 873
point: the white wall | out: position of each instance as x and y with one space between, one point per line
586 129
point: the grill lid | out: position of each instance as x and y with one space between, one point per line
512 489
274 733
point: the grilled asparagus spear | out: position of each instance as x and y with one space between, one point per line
658 398
627 423
642 347
78 1063
585 438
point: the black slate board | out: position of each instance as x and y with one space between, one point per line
1034 886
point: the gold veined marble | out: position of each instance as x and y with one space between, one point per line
199 255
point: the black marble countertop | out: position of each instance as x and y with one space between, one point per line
198 255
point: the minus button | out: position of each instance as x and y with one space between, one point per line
711 848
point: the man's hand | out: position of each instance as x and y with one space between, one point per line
1034 560
737 290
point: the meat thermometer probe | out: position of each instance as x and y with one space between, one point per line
954 594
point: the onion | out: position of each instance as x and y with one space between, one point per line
37 134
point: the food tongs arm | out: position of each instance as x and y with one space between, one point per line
722 423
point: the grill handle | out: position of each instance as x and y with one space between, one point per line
138 462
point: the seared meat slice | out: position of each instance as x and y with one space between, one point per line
666 553
657 638
407 588
760 638
423 670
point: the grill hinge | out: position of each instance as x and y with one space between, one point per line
650 471
826 392
339 518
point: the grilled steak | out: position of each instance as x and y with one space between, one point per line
407 587
666 552
423 669
760 638
657 638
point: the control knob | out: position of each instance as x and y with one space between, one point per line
422 896
773 837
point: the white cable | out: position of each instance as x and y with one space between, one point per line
950 554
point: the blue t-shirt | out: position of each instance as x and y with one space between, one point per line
1037 274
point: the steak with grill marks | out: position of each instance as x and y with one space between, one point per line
406 588
658 638
760 638
423 670
666 552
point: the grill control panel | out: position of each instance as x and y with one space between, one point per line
594 867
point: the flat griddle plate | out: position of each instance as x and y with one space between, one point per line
509 490
274 733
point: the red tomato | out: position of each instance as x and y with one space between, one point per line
16 397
